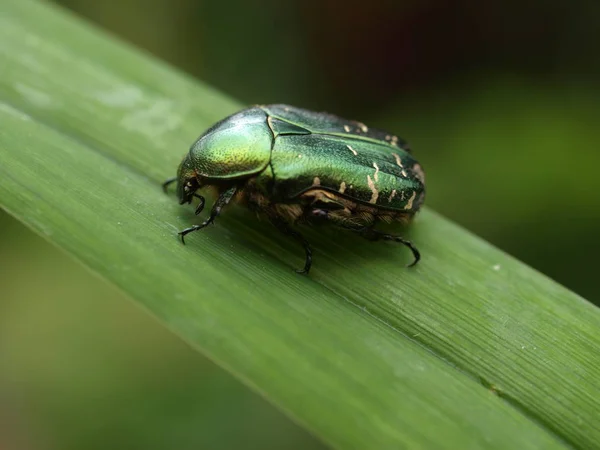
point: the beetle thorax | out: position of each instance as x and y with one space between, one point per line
236 148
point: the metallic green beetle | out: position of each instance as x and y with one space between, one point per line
300 166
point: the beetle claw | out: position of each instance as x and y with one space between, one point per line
413 249
415 253
182 233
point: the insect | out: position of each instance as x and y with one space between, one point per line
296 166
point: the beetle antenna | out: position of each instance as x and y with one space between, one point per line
167 183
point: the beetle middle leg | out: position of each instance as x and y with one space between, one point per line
282 225
224 198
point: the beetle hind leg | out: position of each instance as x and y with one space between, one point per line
364 226
374 235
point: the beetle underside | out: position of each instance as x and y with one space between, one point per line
315 206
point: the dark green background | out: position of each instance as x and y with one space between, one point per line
499 100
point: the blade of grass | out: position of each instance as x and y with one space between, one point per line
364 353
355 381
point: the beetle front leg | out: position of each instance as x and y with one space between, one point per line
285 228
224 198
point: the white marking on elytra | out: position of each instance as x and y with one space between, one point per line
299 156
392 195
362 127
394 140
404 174
411 200
418 170
376 174
346 128
352 150
398 160
342 187
373 190
316 181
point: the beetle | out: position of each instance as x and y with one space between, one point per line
296 166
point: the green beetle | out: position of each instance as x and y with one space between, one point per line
298 166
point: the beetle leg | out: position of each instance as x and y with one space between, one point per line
224 198
371 234
285 228
374 235
200 206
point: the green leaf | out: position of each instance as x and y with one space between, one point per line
470 349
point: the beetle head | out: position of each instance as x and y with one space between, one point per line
187 182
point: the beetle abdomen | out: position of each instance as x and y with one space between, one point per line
347 211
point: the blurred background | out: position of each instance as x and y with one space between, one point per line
500 101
